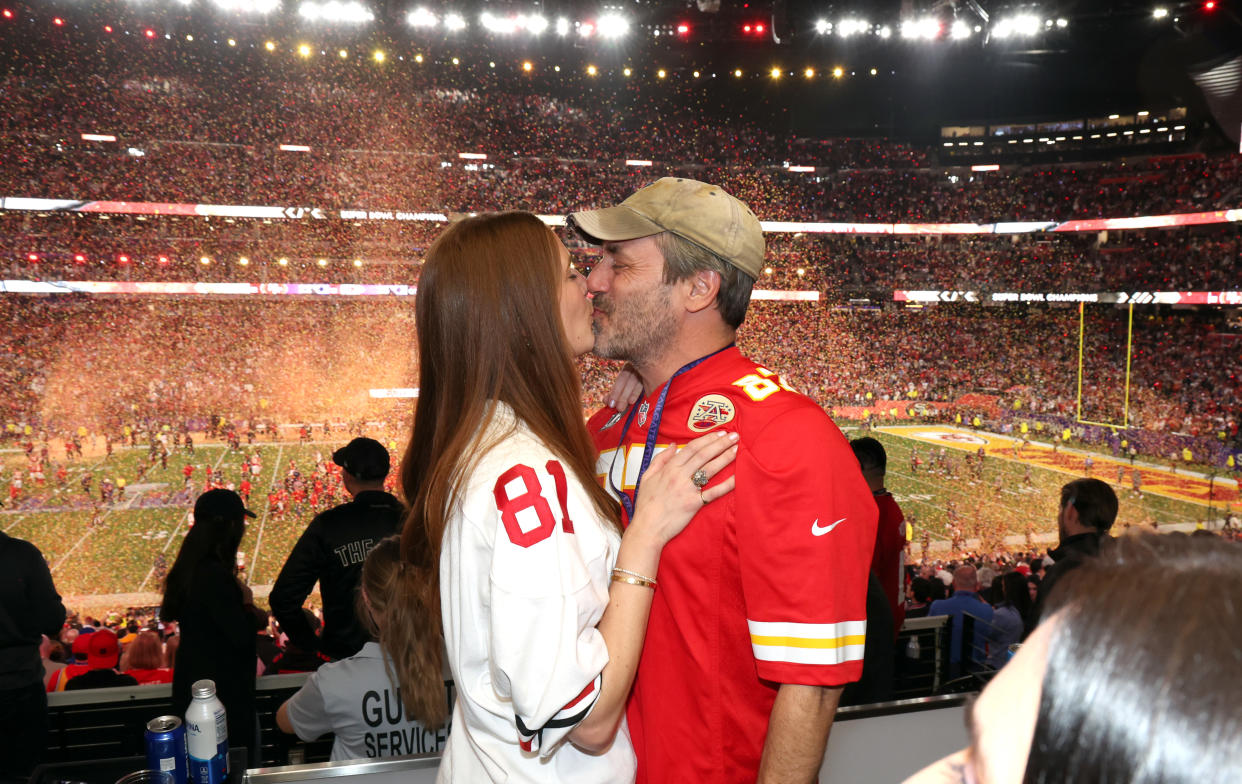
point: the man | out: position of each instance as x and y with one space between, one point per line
966 601
103 654
888 559
30 607
759 618
1088 510
331 552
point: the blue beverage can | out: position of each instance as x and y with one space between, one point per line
166 747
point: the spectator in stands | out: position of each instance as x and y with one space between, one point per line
30 607
1088 510
1009 617
965 601
1135 686
214 612
331 552
360 699
103 654
53 655
76 665
920 597
888 559
143 659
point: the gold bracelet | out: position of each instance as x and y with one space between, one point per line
651 580
621 578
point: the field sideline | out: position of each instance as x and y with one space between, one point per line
104 555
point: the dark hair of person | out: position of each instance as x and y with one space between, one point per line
489 330
922 589
1140 685
683 258
209 538
393 613
870 453
1095 501
1015 593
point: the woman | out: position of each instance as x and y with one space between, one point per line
215 613
513 537
1009 621
1135 667
370 711
143 659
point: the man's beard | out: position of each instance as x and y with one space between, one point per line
637 332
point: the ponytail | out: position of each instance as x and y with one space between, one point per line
402 609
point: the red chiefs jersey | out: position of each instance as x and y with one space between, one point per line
765 586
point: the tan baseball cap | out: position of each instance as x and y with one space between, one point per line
701 213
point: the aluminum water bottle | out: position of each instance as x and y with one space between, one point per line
207 735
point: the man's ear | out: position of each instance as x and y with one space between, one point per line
702 289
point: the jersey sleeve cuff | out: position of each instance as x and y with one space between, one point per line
806 647
562 722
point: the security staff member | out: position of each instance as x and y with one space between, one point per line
332 550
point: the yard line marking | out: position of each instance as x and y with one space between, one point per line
254 559
224 450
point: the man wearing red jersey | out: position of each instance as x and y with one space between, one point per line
760 615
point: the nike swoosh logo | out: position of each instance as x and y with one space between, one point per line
820 530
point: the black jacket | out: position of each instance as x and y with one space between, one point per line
1071 554
331 552
218 641
29 609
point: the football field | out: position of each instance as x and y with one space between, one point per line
106 554
1014 491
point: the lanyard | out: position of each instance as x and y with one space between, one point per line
653 433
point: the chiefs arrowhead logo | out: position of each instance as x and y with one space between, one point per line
710 411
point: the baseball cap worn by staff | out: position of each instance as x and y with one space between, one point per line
696 211
220 503
102 650
364 458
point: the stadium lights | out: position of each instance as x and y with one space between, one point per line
357 262
660 74
885 32
775 73
737 72
421 17
379 56
586 29
612 25
243 261
1024 25
527 66
79 258
683 29
8 14
204 260
1160 13
562 26
497 24
627 71
914 29
162 260
823 26
696 74
294 148
342 53
304 50
454 22
809 73
322 262
282 261
335 11
592 70
959 30
851 27
270 46
838 72
246 6
98 137
534 23
456 61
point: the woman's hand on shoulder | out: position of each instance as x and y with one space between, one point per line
669 497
